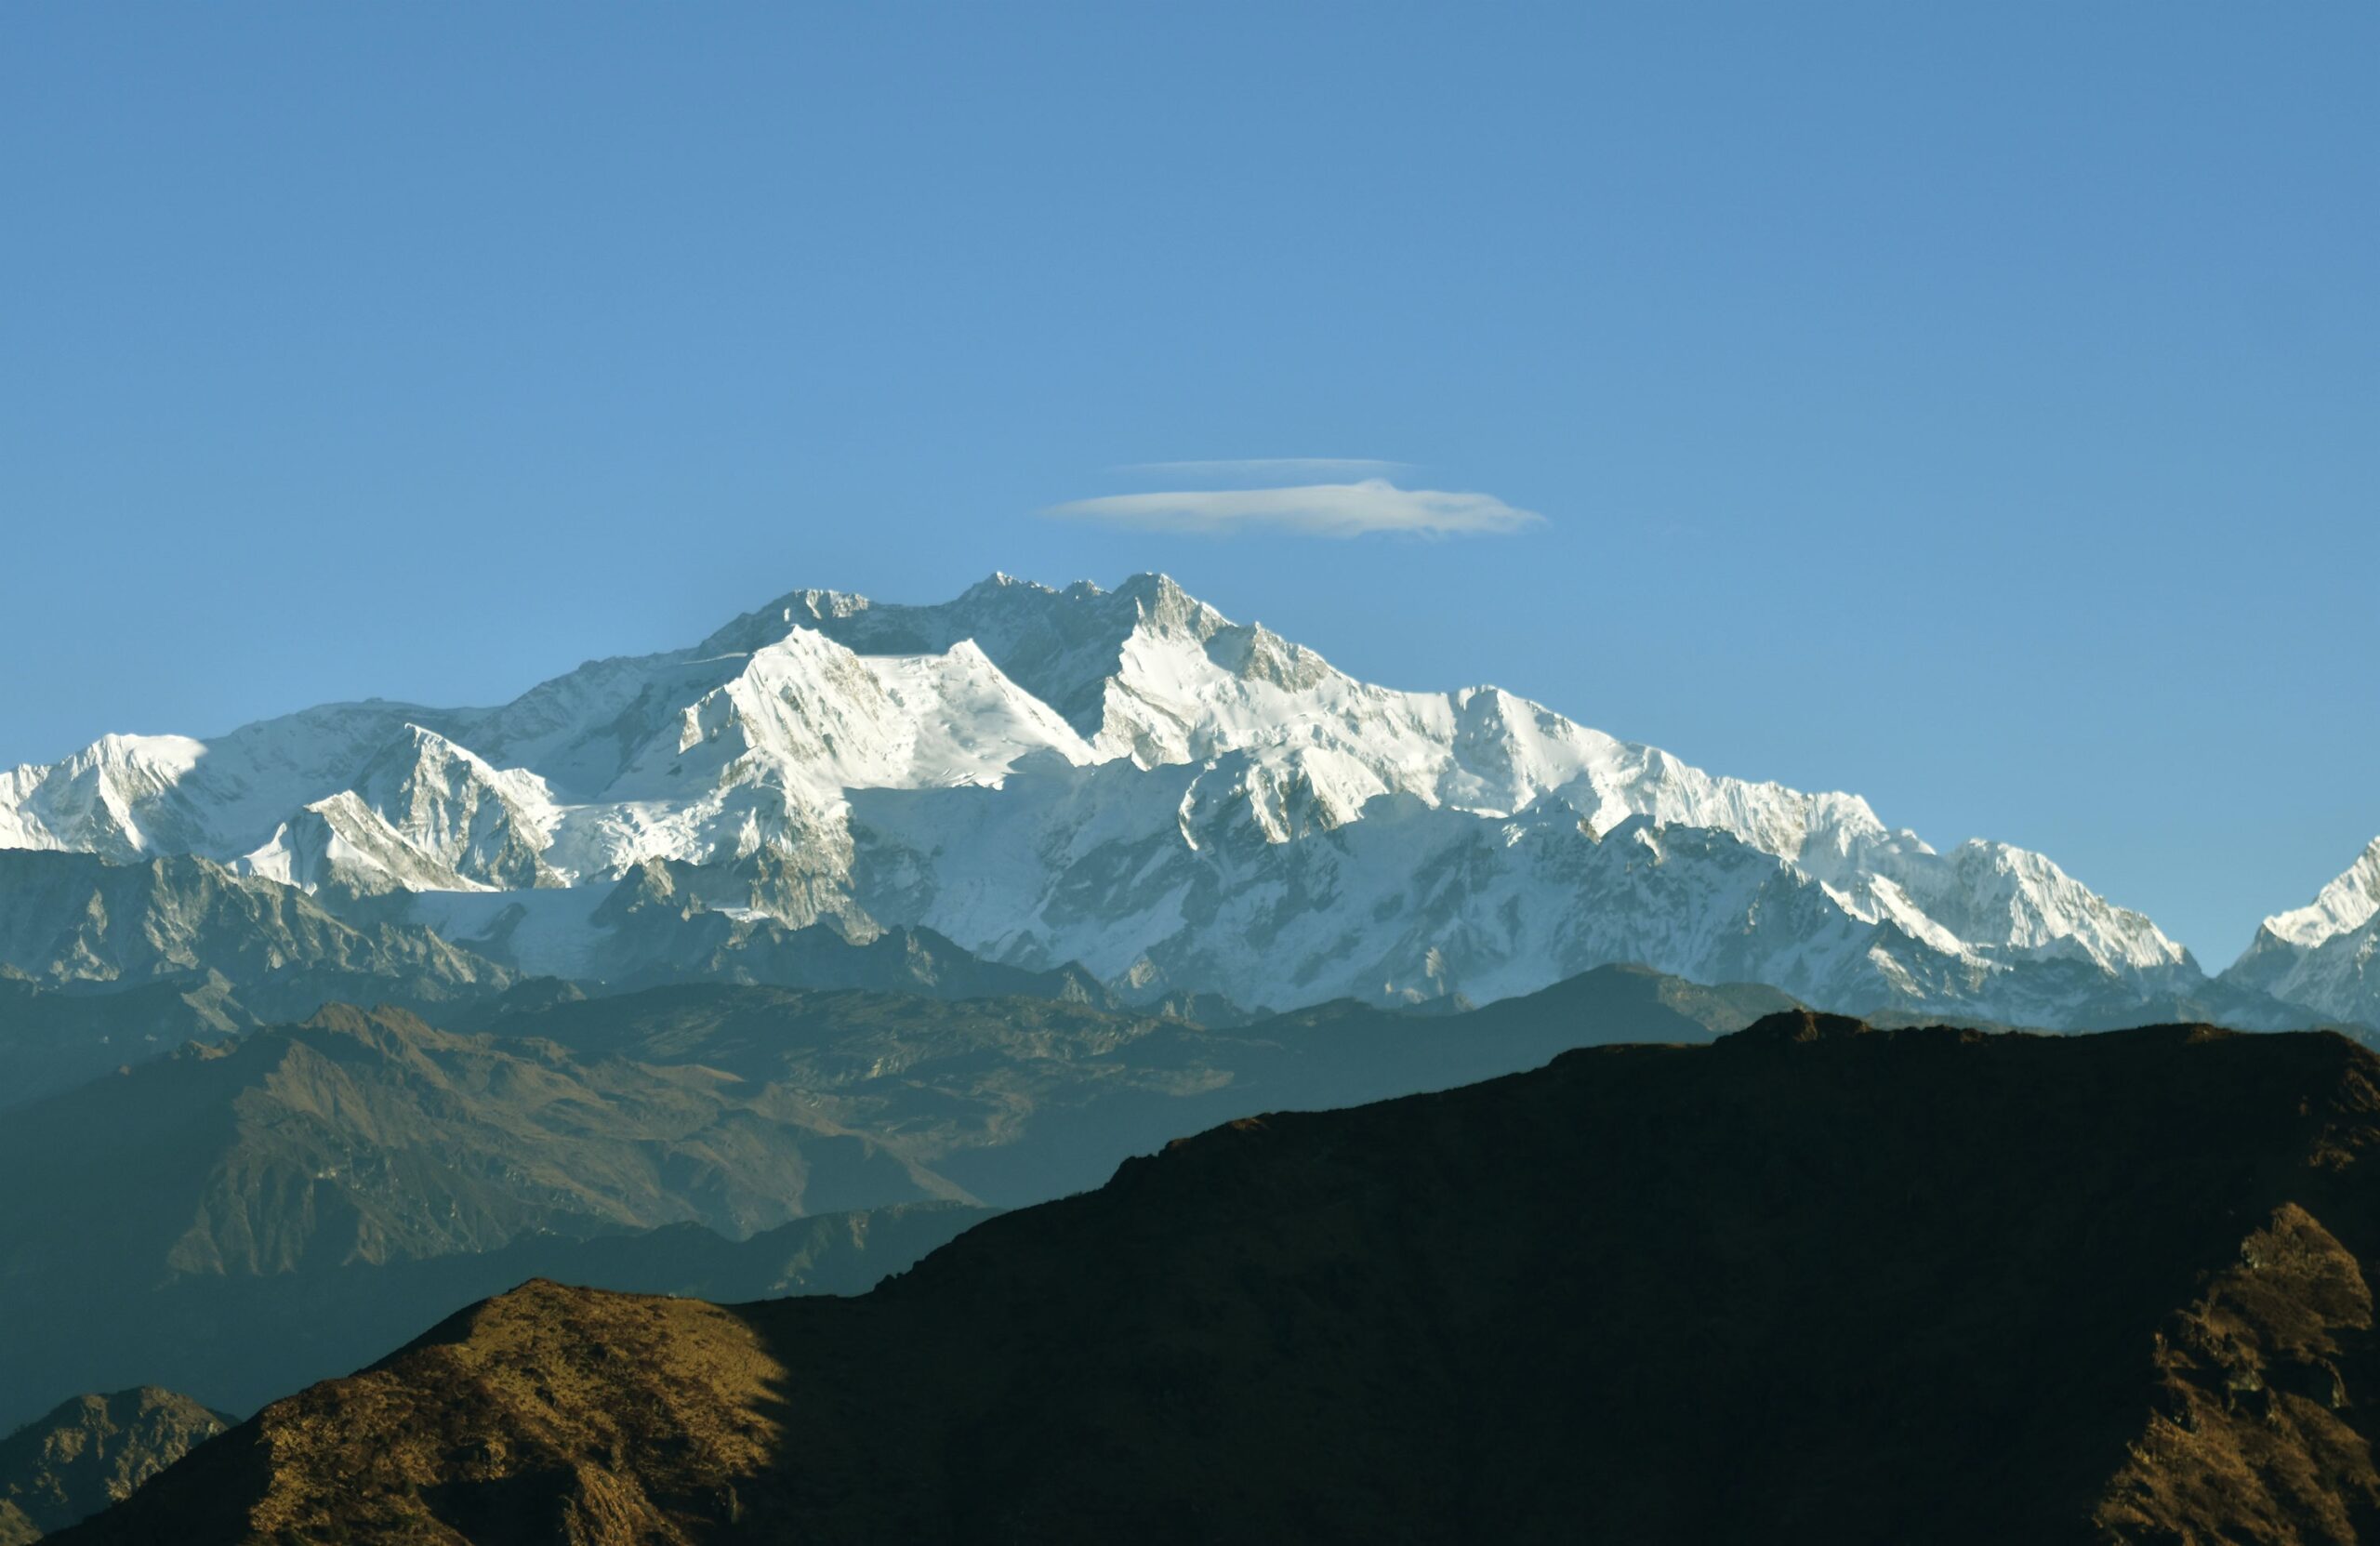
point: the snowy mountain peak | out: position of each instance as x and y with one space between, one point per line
111 798
1126 778
2325 956
1161 604
2346 903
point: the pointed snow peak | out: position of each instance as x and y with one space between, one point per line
801 641
994 589
2345 905
426 744
764 626
417 753
996 603
999 581
1164 606
969 655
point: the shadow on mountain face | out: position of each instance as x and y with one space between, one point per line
1816 1283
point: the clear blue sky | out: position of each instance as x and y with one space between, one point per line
1977 408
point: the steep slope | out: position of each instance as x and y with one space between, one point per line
1125 779
425 814
1815 1283
91 1452
2326 955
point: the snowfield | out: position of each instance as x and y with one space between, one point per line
1128 779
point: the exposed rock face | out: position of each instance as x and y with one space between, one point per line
2252 1422
1813 1283
91 1452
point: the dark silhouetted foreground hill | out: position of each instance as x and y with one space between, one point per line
90 1452
1815 1283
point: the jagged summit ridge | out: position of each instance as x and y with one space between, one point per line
2346 903
2325 955
1125 777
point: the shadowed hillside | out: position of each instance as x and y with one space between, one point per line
1815 1283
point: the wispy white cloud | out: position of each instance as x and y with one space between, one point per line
1272 467
1313 510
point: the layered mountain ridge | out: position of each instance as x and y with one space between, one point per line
1817 1282
1123 779
241 1218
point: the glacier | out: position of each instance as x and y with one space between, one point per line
1123 779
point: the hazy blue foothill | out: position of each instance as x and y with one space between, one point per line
238 1218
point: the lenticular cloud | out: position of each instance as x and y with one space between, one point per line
1314 509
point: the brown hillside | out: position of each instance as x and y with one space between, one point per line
90 1452
1815 1283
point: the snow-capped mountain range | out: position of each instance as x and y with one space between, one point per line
1127 780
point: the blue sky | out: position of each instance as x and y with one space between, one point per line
1976 407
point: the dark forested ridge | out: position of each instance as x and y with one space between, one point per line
1814 1283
